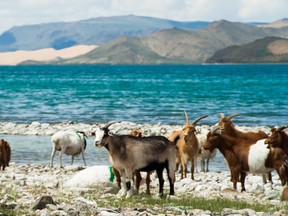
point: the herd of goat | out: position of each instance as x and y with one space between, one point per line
244 152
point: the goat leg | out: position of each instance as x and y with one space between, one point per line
123 190
161 180
138 180
52 157
129 179
148 180
242 179
83 157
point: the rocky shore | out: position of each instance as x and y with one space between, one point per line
47 129
41 190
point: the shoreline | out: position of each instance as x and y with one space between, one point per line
47 129
77 189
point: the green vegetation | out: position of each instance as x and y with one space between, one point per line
106 197
187 202
184 202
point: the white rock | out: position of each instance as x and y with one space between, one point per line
89 177
88 202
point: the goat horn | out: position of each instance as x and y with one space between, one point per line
233 115
222 115
198 119
282 128
215 129
187 119
109 124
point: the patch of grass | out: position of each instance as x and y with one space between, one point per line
184 202
13 212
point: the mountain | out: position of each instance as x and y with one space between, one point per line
176 45
265 50
138 40
277 24
96 31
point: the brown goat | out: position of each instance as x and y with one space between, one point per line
5 154
245 156
227 127
278 138
137 133
188 146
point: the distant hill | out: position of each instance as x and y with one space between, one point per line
94 31
265 50
277 24
176 45
138 40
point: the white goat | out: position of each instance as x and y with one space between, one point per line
204 156
70 143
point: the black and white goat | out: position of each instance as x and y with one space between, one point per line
130 154
70 143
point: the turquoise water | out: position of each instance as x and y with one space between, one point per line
37 150
141 94
144 94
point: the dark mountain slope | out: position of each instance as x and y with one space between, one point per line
266 50
189 46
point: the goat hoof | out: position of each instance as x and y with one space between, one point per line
158 196
131 192
122 193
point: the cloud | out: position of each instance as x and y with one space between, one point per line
21 12
262 10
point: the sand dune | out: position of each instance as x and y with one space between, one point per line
48 54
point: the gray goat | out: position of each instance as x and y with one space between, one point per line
130 154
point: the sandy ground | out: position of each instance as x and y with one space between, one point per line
48 54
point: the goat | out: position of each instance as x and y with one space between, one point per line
204 156
177 134
278 138
188 146
137 133
130 154
70 143
227 127
245 156
5 154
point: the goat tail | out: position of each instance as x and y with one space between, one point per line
85 143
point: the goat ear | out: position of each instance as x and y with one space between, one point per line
110 133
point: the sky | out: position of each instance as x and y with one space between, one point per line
26 12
